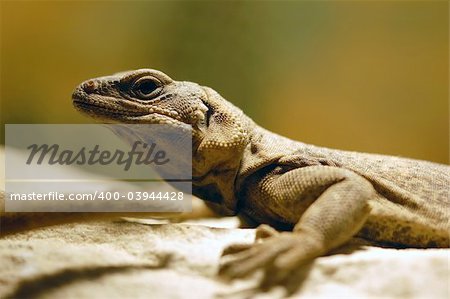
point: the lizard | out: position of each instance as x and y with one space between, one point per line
308 200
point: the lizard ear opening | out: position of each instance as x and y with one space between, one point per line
227 128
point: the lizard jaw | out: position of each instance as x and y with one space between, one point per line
99 112
106 115
111 116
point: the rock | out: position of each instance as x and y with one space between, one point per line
123 259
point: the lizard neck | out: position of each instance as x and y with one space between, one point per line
227 171
215 170
217 159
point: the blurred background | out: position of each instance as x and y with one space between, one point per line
365 76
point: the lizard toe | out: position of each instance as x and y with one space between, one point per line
258 256
265 231
244 267
236 248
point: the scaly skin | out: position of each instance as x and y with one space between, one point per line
323 197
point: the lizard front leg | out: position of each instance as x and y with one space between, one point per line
337 210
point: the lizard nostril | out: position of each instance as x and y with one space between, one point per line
89 86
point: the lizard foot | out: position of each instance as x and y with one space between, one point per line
278 256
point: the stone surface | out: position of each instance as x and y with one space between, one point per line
122 259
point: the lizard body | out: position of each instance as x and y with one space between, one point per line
324 196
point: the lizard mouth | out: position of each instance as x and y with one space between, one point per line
103 112
114 112
113 116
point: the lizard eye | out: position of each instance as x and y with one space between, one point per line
146 87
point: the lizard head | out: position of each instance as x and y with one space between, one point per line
219 129
148 96
142 96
